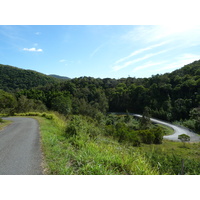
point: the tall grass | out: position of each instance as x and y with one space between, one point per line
168 158
87 152
79 145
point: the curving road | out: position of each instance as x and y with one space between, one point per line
178 130
20 152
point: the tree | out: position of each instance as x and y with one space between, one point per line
184 138
145 121
195 117
29 105
7 103
62 104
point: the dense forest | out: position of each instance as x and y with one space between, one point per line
172 96
13 78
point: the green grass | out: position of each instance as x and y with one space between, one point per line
167 130
52 146
83 149
167 158
4 123
85 155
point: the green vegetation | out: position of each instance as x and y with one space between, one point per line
78 145
83 139
13 78
167 158
173 96
81 148
126 132
4 123
184 138
194 121
167 130
8 103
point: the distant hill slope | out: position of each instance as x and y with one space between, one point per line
12 78
192 69
59 77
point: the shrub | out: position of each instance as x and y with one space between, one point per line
190 124
159 133
49 116
184 138
133 138
147 136
151 136
121 131
71 130
110 130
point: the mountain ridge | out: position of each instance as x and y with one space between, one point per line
59 77
12 78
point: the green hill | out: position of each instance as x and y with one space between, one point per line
192 69
12 78
59 77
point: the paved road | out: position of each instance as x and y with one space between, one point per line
177 131
20 152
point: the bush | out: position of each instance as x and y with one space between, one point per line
190 124
7 103
159 133
147 136
110 130
125 132
25 105
151 136
49 116
71 130
184 138
133 138
121 131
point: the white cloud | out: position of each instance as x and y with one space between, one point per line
32 49
96 50
141 51
141 33
185 33
147 65
37 33
182 60
119 67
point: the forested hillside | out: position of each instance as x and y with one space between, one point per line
12 78
172 96
86 139
59 77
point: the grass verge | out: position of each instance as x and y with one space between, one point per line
76 146
4 123
83 155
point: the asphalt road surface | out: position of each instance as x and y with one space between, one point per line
178 130
20 152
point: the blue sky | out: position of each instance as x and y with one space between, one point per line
100 51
